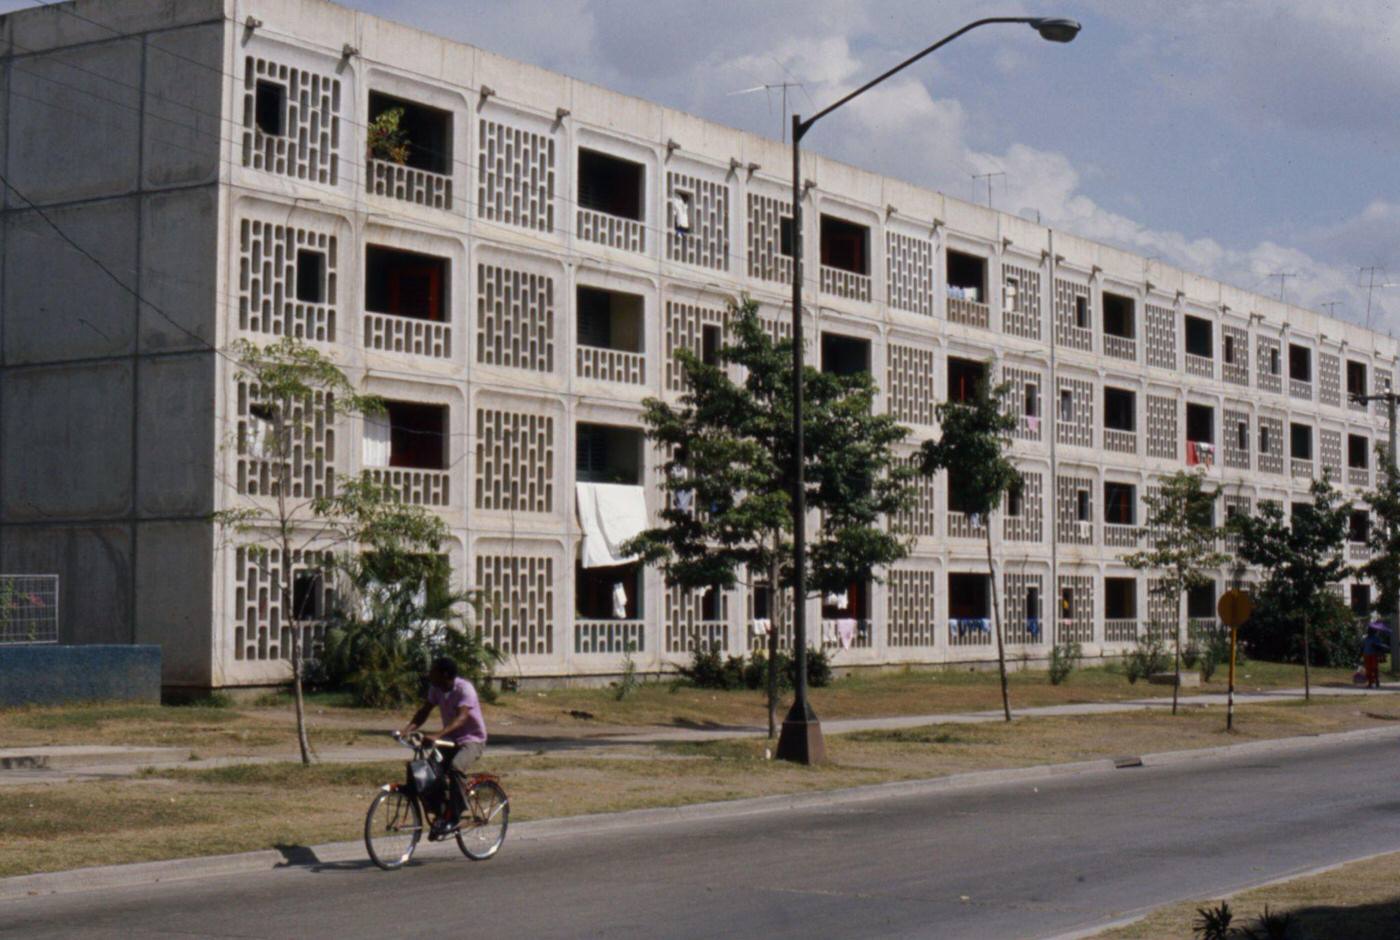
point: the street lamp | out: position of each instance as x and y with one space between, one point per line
801 739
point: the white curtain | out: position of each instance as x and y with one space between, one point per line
377 446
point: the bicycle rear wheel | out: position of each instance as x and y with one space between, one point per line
483 827
393 826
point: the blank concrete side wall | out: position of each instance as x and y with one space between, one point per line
107 441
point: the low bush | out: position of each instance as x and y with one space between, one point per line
708 669
1149 656
1064 659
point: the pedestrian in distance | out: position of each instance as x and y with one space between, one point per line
1373 652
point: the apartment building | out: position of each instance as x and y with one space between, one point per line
515 287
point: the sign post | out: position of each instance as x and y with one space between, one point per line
1234 609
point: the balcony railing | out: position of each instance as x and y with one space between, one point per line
970 631
846 284
1120 630
396 181
611 365
1300 389
1355 405
1120 347
1302 467
1117 535
1204 366
1025 631
700 635
1029 428
609 636
1162 632
1358 551
415 487
409 335
962 525
1359 476
859 634
611 230
1123 442
969 312
1199 628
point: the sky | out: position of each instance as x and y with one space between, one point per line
1234 138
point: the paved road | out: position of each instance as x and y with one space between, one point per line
1005 861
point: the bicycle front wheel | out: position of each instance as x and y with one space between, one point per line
393 826
483 828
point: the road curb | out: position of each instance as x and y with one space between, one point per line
267 860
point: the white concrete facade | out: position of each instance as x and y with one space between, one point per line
136 126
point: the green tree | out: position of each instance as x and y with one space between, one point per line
1300 556
974 436
1383 569
728 474
1181 526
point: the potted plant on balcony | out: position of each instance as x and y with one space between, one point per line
387 138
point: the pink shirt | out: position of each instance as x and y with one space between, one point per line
451 702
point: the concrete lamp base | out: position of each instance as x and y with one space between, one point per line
801 739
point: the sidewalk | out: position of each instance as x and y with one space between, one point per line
57 764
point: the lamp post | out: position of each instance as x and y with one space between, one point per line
801 740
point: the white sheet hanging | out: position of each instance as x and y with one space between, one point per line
610 514
619 601
377 437
681 207
761 626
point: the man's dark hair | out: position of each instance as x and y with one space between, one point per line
445 665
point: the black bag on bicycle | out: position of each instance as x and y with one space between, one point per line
425 777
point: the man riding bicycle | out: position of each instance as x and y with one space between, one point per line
463 734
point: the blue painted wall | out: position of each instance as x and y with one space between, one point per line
57 675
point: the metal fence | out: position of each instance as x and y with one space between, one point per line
28 608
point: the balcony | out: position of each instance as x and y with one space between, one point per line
609 636
1120 630
1120 347
1122 442
1203 366
1302 467
1199 629
1298 388
962 525
611 365
969 631
1116 535
611 339
847 284
1359 476
408 184
408 335
611 230
968 312
415 487
847 633
1358 551
611 201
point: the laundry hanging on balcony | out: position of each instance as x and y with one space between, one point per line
619 601
1200 453
377 446
610 514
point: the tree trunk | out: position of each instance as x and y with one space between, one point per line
773 608
996 623
1176 686
286 575
1307 664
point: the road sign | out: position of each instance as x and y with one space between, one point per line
1234 608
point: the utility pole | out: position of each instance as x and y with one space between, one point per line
1389 397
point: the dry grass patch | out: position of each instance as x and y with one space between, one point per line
1359 901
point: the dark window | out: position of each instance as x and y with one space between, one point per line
1230 349
1242 435
1118 315
608 454
1300 441
968 274
1066 405
1032 400
1274 364
967 597
405 284
1358 451
610 184
1299 362
311 277
426 133
854 602
1081 506
844 355
1200 602
711 341
959 499
1119 502
787 241
1359 526
1119 409
1200 424
1081 311
1361 600
1199 337
417 435
1263 439
1066 603
1356 377
610 319
965 378
845 245
1033 603
1015 502
596 594
762 601
270 104
710 607
1120 598
308 592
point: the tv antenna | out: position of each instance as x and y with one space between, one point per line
1283 277
769 87
988 178
1370 272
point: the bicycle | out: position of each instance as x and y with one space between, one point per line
394 823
